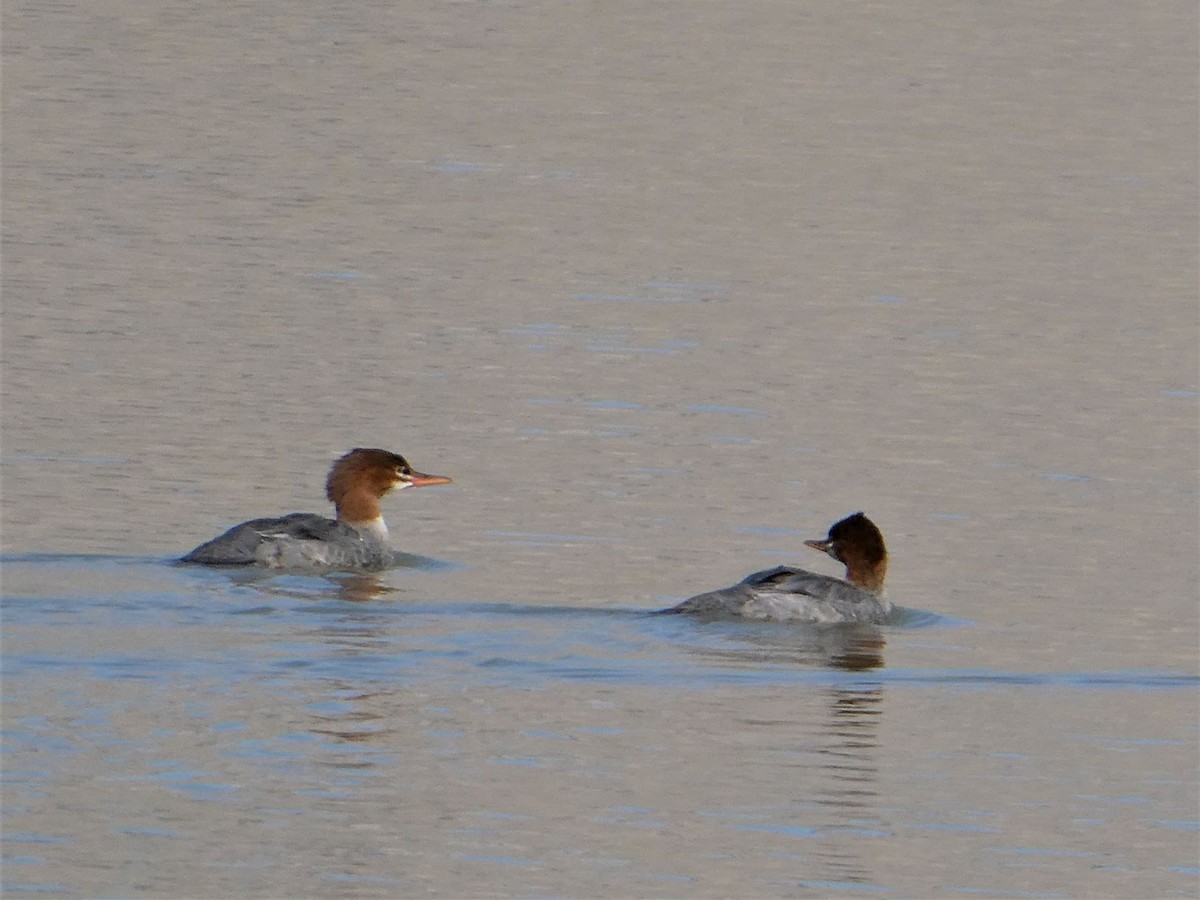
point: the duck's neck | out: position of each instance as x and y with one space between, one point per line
360 510
376 529
868 576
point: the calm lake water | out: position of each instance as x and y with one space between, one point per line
666 288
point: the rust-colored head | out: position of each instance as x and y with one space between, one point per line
857 544
362 476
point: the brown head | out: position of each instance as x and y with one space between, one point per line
857 544
362 476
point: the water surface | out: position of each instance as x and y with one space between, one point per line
665 288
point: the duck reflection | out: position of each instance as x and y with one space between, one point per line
354 587
847 794
360 588
837 753
855 648
353 722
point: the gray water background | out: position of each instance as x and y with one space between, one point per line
666 288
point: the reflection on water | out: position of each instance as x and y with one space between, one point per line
849 794
350 718
350 586
855 648
838 751
360 588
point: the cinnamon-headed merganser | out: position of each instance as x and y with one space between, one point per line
357 539
786 594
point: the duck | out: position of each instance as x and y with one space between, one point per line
355 540
789 594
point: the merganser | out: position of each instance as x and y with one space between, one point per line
357 539
786 594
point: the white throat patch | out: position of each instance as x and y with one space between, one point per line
376 528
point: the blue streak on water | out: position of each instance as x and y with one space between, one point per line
728 410
613 404
564 538
667 876
787 830
994 892
151 832
522 762
505 816
767 529
1043 851
546 735
629 823
952 827
1181 825
1101 798
685 287
728 439
355 878
539 329
844 886
458 167
615 348
27 887
653 295
1120 680
499 860
47 457
612 298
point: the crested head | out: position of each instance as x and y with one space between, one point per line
859 532
858 545
362 476
373 471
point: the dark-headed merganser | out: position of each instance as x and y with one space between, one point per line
357 539
786 594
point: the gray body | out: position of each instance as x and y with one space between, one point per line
294 541
787 594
